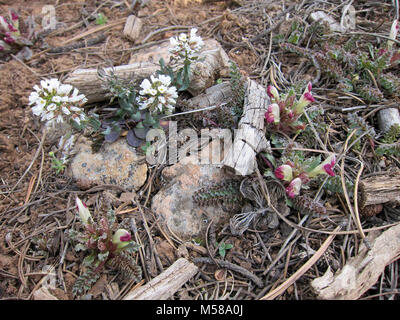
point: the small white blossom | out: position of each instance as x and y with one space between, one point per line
186 48
64 89
54 103
51 107
157 95
37 110
162 89
65 110
33 97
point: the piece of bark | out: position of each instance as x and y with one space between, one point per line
133 27
362 271
167 283
214 95
213 62
387 118
89 83
250 137
380 189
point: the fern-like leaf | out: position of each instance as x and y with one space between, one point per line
126 265
85 281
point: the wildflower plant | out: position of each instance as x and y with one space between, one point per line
140 109
184 51
284 112
103 244
363 69
297 172
55 102
11 37
158 95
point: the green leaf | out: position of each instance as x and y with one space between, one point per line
140 125
94 123
101 19
80 247
270 158
89 260
162 63
136 116
103 256
315 163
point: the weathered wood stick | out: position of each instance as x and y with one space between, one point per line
133 27
213 61
250 137
362 271
89 83
167 283
380 189
387 118
214 95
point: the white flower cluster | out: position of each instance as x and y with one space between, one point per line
54 102
65 146
157 94
186 47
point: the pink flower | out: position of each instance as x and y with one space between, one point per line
381 51
83 211
121 238
325 167
293 189
272 114
328 167
273 93
308 96
14 16
9 39
284 172
305 99
12 28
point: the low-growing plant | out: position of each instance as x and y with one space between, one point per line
297 171
105 247
184 51
283 114
11 37
137 112
364 72
140 110
223 247
56 103
101 19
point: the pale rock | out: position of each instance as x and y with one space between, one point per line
116 163
348 20
174 204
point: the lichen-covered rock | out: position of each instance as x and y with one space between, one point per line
116 163
174 202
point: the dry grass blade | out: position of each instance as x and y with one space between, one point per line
282 288
354 215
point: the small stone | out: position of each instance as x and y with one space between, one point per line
116 163
174 203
